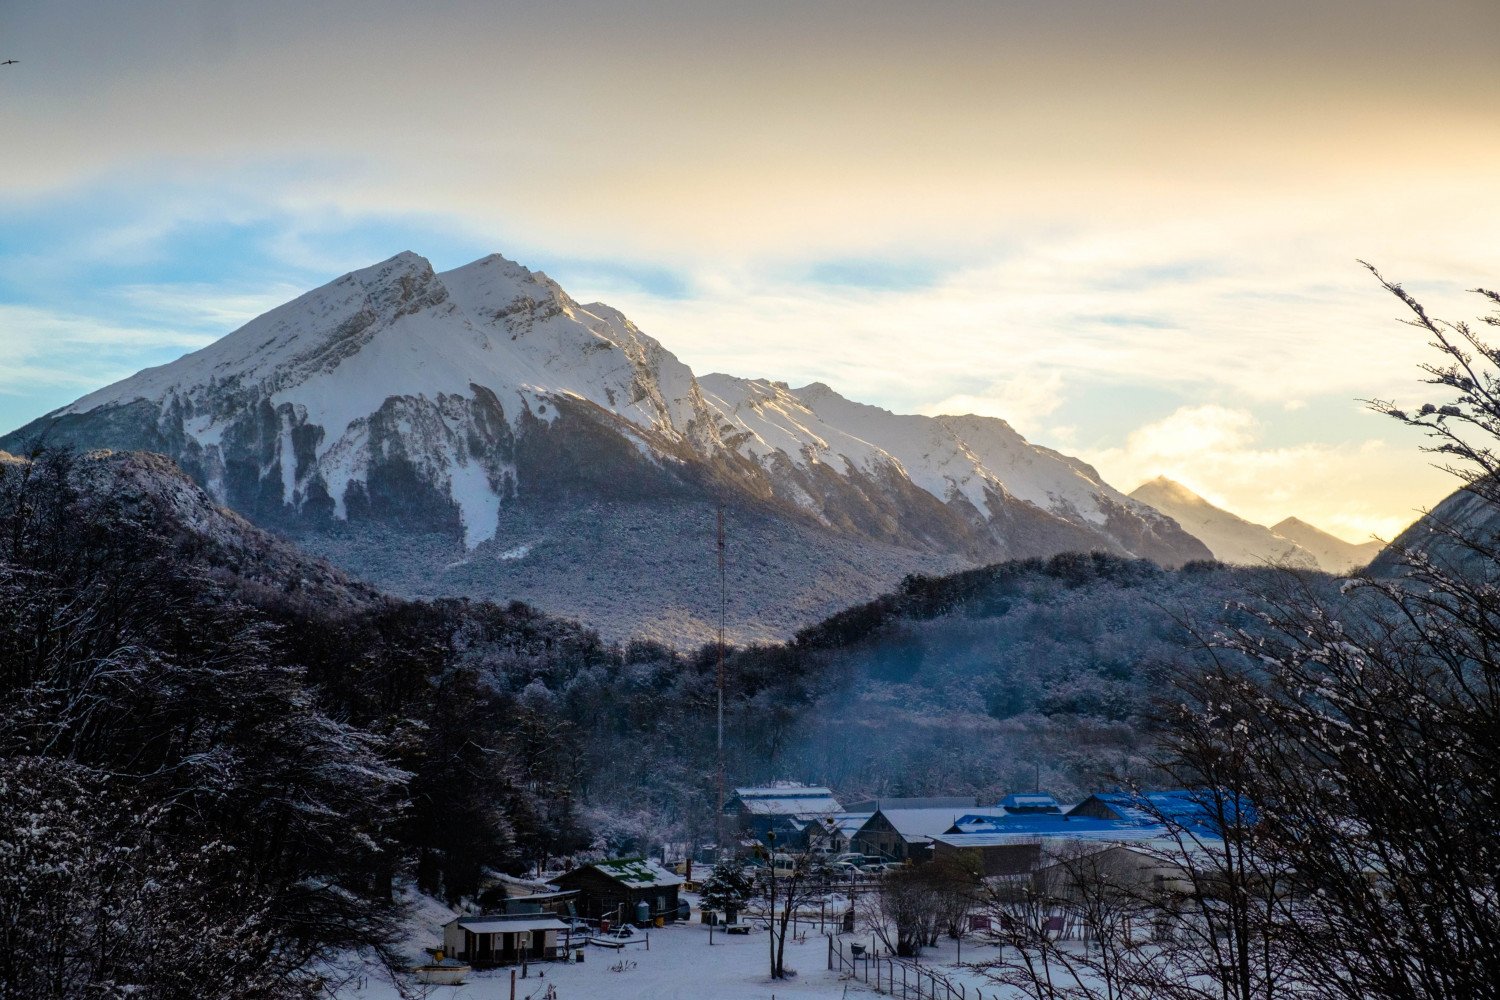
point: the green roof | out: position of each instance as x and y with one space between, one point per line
637 872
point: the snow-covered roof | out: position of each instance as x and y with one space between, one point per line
963 803
1030 801
965 840
802 801
510 923
637 873
920 824
849 823
1191 809
978 831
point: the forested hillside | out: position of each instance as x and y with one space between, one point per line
1034 672
217 754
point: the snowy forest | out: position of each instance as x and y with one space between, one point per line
218 757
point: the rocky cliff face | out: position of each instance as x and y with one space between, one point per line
478 431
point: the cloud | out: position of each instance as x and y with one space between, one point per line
1024 401
1354 489
49 358
1194 431
206 307
1046 212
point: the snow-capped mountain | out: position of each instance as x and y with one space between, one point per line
1232 538
478 431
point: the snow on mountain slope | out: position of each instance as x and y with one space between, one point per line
1333 553
1232 538
399 338
984 461
464 403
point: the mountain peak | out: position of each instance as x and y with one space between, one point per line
1231 538
814 391
405 265
1167 488
483 404
1334 553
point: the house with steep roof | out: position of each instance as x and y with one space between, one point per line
836 837
903 834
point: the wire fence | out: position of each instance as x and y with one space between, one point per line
898 977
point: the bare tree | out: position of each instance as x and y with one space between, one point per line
787 884
1364 727
914 905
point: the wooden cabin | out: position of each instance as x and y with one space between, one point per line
616 890
904 834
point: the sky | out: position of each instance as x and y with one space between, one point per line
1129 227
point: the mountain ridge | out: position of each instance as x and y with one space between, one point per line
473 406
1290 542
1333 553
1231 538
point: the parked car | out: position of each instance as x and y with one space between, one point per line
783 864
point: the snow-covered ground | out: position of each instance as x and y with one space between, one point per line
682 965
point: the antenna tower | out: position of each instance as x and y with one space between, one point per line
723 614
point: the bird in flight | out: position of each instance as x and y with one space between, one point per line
9 62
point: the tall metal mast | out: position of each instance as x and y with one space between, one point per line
723 614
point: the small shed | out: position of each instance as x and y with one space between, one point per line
615 889
503 938
990 854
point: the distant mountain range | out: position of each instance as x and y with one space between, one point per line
1292 542
478 432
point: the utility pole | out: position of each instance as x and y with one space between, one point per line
723 614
